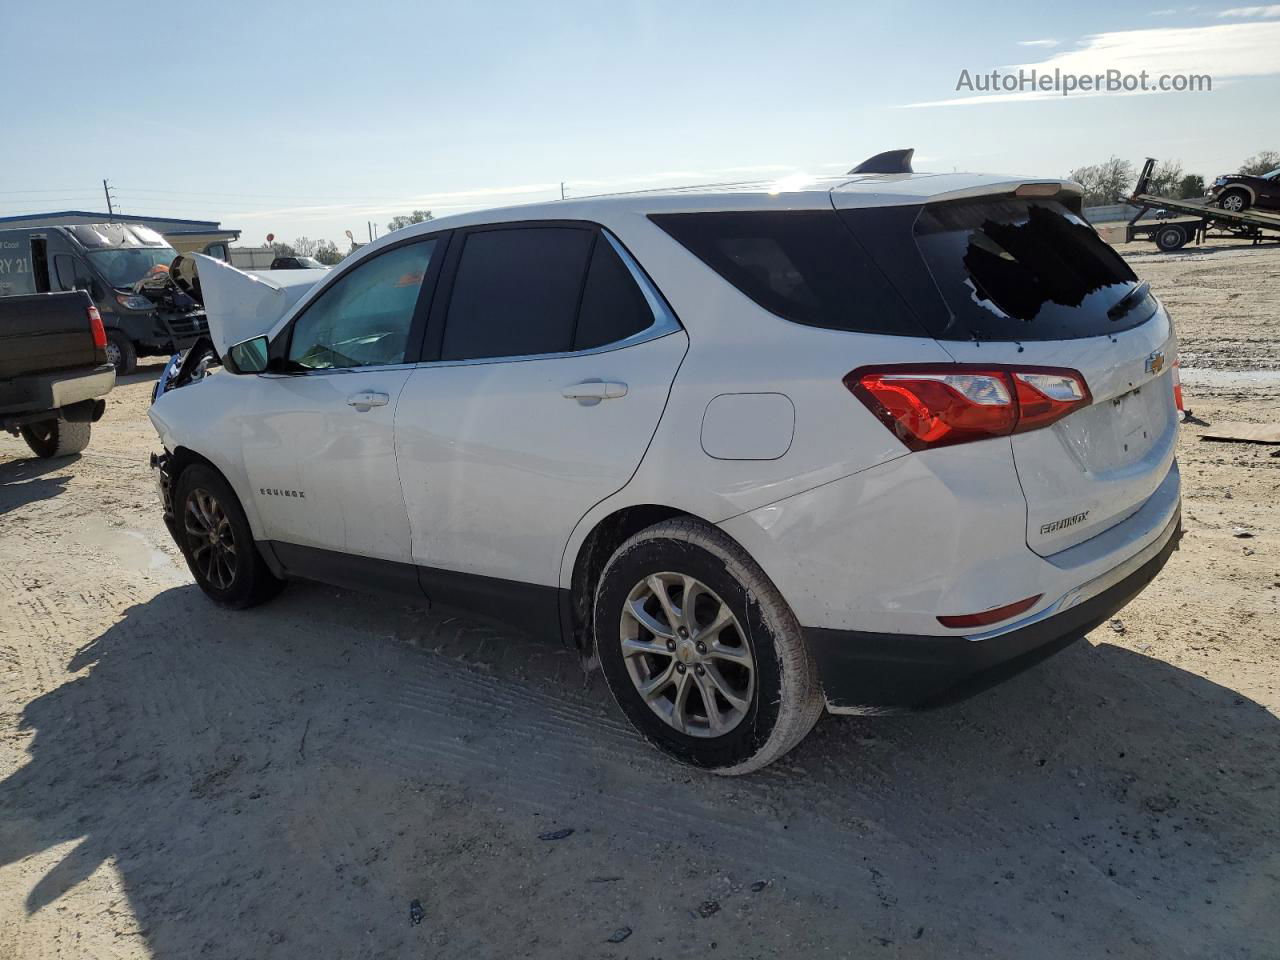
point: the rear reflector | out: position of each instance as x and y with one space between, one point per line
936 405
95 327
990 616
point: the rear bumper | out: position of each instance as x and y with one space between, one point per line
41 392
869 673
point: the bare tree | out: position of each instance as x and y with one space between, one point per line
305 246
1261 162
1108 182
1166 179
402 221
283 249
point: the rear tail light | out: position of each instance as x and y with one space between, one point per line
936 405
96 328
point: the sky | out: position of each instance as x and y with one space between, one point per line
310 119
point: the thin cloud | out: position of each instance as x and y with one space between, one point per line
1221 51
1166 12
1269 11
1039 43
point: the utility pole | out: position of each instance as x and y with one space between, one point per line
561 189
111 211
368 224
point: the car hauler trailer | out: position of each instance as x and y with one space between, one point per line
1198 217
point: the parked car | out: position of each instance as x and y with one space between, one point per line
1240 191
124 269
297 263
54 370
858 447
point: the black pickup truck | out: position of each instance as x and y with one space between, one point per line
54 370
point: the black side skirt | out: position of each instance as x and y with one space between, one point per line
529 607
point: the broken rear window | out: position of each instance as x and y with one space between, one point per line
1011 269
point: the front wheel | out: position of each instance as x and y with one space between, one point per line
56 438
1171 238
214 536
700 650
1236 201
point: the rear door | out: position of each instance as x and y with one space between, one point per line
554 358
1024 281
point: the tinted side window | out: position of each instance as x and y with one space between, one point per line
516 292
613 308
364 318
804 266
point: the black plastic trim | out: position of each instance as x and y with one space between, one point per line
531 607
885 672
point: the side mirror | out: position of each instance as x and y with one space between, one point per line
248 356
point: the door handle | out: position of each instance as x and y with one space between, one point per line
590 392
368 399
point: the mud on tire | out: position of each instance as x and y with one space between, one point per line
777 702
56 437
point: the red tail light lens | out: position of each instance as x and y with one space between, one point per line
936 405
990 616
96 328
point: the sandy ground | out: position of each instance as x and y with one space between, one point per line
177 781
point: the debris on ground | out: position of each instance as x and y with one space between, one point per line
1117 626
416 912
619 935
1244 433
556 834
708 907
1241 532
759 885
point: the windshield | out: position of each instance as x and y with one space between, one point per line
310 263
126 266
1273 174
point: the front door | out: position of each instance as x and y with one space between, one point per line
555 359
317 437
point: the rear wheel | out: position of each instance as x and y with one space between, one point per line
700 650
1237 201
56 438
121 353
1171 238
214 536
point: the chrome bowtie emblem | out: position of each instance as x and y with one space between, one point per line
1155 362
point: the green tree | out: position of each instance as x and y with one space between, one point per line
1261 162
400 222
327 252
1192 186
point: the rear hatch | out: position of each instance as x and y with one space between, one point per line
46 332
1025 281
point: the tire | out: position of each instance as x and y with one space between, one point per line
778 698
1171 238
56 437
226 564
1237 201
121 353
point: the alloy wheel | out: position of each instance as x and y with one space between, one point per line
1233 202
687 655
113 354
210 539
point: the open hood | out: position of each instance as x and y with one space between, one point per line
241 305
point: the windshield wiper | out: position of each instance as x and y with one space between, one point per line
1129 301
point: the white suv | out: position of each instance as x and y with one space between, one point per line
869 445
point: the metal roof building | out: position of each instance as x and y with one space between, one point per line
184 235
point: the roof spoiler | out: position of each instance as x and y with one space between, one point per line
891 161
